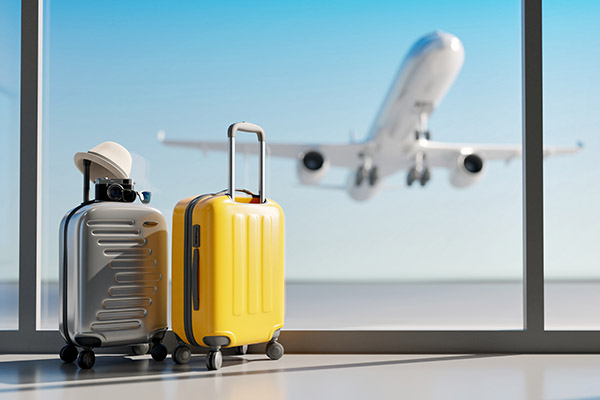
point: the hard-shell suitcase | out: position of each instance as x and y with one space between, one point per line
113 278
227 268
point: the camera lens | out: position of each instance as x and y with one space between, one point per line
115 191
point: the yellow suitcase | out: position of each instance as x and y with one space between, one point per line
227 269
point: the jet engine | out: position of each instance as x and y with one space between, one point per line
469 169
312 166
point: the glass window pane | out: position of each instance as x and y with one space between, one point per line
435 257
572 217
10 72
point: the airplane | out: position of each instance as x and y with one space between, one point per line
399 139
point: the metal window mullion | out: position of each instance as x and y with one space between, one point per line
533 213
29 169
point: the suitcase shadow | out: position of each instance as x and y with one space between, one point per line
53 370
51 373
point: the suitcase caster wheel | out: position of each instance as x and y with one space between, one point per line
241 350
86 359
69 353
274 350
141 349
182 355
214 360
159 352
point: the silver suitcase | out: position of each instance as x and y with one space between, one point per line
113 280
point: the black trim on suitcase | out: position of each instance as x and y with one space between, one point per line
65 270
190 273
85 202
187 273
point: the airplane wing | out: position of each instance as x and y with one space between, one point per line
339 155
440 154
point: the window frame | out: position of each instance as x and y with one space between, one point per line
533 338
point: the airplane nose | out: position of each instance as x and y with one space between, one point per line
449 41
436 41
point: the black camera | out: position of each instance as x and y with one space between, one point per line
111 189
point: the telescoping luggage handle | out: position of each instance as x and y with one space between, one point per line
252 128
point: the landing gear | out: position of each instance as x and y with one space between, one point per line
370 174
413 175
425 176
373 176
422 135
419 172
361 175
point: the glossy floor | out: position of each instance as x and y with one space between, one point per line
307 377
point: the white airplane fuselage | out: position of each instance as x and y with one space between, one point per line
428 71
398 139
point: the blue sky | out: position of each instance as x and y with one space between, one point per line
10 34
121 71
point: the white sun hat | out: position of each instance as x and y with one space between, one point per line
108 160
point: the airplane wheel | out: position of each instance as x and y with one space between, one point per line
361 174
425 177
373 176
411 177
427 135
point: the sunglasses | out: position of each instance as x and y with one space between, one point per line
144 197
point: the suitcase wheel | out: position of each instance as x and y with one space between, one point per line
274 350
214 360
69 353
159 352
140 349
86 359
241 350
182 354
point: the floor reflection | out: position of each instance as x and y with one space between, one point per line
306 376
51 370
135 369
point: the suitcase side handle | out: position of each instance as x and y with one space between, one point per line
252 128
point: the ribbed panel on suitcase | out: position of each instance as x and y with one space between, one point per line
126 253
252 264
